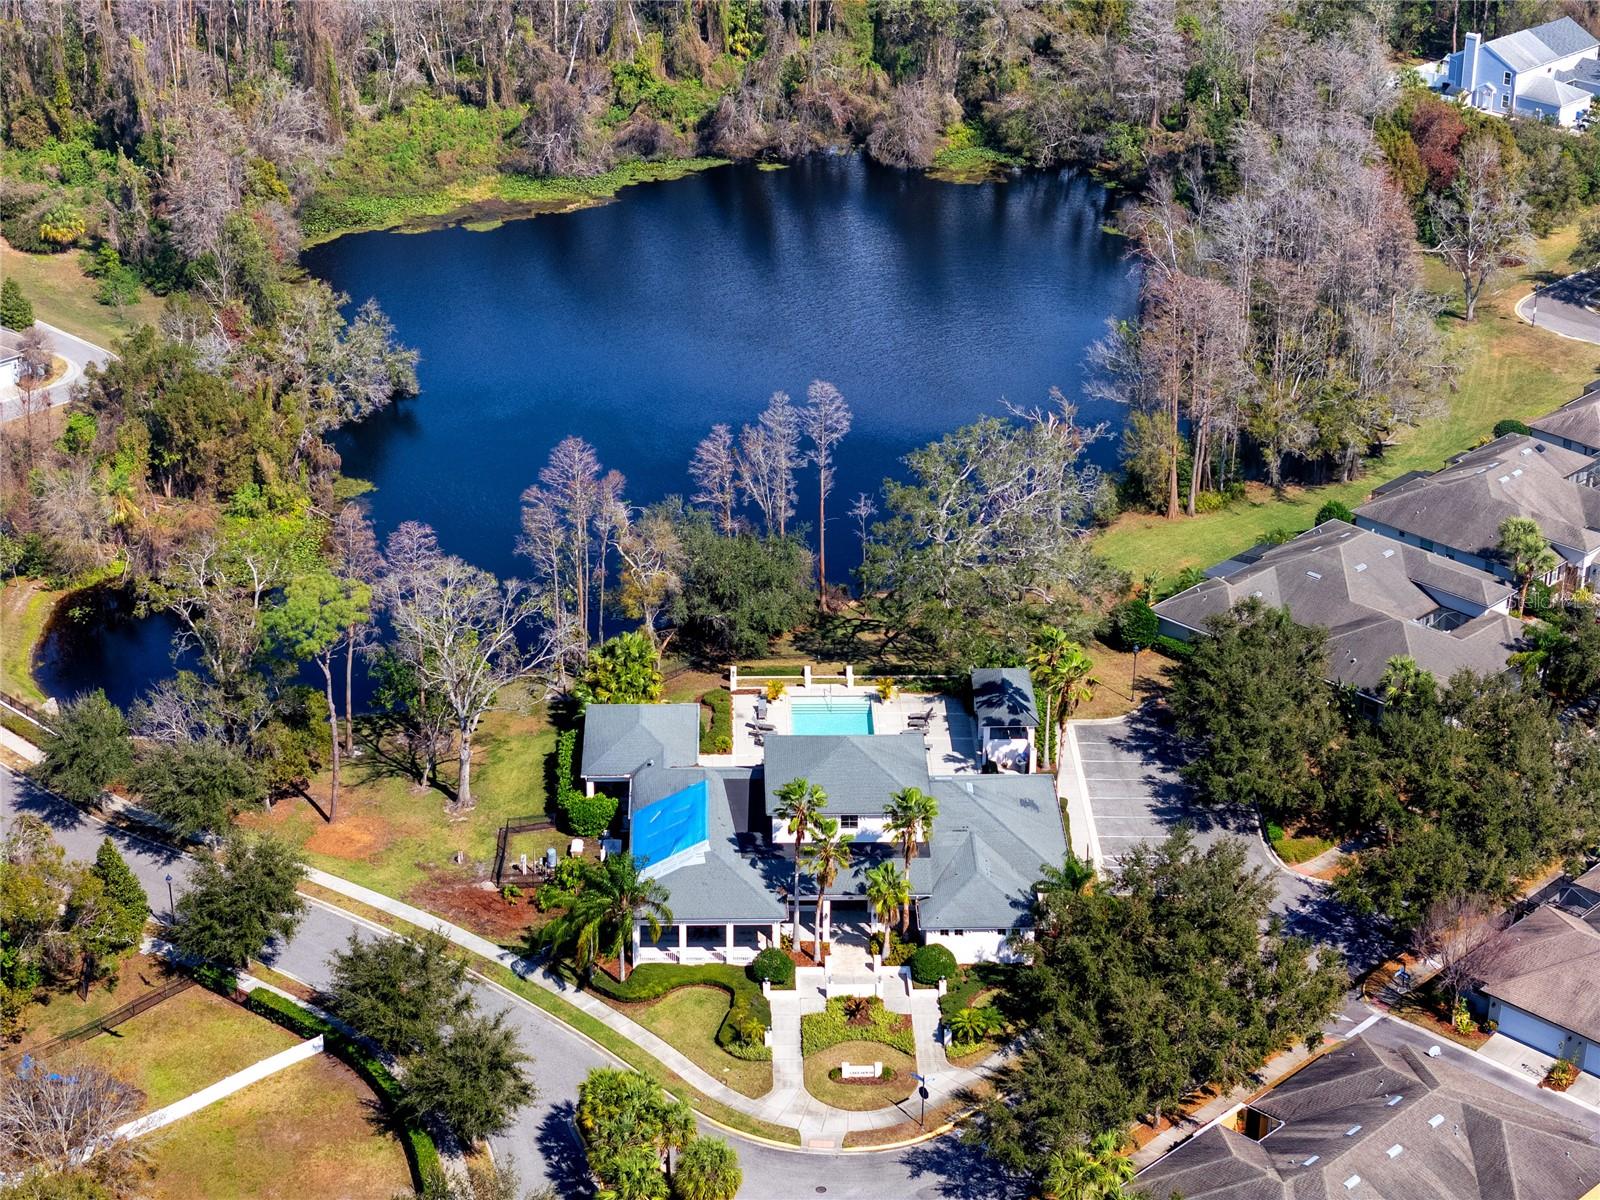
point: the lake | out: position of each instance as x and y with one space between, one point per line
638 324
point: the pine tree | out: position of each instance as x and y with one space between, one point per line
15 310
126 899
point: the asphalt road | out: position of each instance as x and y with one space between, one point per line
542 1144
1135 795
1561 308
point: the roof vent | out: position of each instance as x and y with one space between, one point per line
1436 1120
1517 472
1388 553
1352 1131
1314 574
1395 1150
1351 1182
1256 595
1434 1051
1505 479
1315 1158
1361 567
1527 450
1395 1099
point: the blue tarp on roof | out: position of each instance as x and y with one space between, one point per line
672 825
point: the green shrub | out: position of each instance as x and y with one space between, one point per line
819 1031
1274 832
1334 510
1174 648
1135 624
717 738
1510 425
932 963
587 816
772 966
654 980
552 896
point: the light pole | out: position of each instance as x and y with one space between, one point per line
1133 685
172 907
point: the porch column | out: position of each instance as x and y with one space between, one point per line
588 787
776 941
683 937
728 944
636 941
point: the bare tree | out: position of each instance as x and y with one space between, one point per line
862 511
465 629
652 569
1454 931
355 551
825 420
1482 222
559 524
768 456
55 1117
715 471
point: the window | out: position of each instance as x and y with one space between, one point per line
1507 77
849 821
1505 101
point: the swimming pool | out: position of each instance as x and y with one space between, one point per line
829 716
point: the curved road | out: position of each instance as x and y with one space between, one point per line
542 1144
1563 307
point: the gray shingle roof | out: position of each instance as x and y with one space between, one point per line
1488 1143
1544 90
1547 964
619 739
1368 591
1577 421
1003 696
859 772
724 884
1531 48
1515 476
992 835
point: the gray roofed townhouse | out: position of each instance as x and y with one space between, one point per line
1540 45
619 740
859 772
1376 597
1539 980
1373 1122
1573 426
1457 512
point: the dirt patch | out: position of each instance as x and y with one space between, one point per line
466 903
356 836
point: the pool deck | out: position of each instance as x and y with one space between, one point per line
951 738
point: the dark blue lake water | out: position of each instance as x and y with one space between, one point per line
638 324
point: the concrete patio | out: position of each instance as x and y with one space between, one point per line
951 737
1534 1064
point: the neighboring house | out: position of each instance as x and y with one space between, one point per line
1540 981
10 358
1457 512
1376 597
1374 1122
711 836
1573 426
1547 73
1008 716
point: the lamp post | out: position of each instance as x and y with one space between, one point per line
172 907
1133 685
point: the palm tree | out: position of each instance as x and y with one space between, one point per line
800 802
1065 674
1527 552
972 1025
825 858
1098 1171
909 819
1403 679
613 897
889 893
1072 878
708 1169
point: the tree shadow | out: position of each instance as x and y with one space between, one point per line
565 1164
965 1172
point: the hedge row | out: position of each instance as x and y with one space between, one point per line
587 816
717 738
654 980
421 1154
818 1031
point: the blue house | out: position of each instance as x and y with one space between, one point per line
1550 72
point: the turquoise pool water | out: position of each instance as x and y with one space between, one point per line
812 717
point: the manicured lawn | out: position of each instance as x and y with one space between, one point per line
1295 850
307 1132
831 1027
63 1011
182 1045
62 295
859 1097
1506 369
689 1019
395 837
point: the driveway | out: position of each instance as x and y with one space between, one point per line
1563 307
77 353
1123 787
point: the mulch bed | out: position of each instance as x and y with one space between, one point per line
464 902
835 1076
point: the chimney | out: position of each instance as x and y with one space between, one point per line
1469 62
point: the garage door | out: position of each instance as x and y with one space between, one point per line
1531 1031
